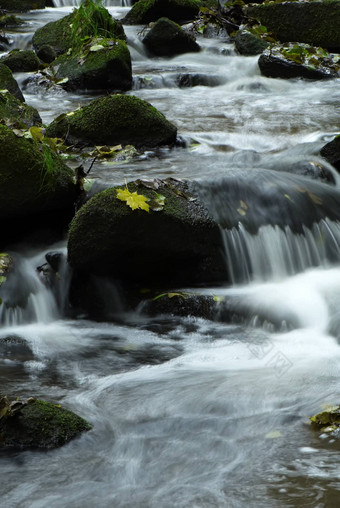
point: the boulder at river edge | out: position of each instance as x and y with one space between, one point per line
171 240
34 423
115 119
21 60
315 23
12 110
33 178
8 82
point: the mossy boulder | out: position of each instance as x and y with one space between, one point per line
115 119
10 20
33 178
46 53
182 304
167 38
36 423
249 44
101 64
22 5
298 61
315 23
58 34
12 110
21 60
8 82
331 152
175 242
145 11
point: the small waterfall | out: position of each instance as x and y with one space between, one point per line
106 3
275 252
25 296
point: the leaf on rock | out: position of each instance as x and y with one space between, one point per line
96 47
133 200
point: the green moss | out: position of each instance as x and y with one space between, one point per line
7 82
145 11
12 108
40 424
10 20
21 60
115 119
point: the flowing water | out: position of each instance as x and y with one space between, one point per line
188 412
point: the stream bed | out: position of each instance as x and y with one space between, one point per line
188 412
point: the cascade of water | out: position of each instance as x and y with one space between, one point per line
76 3
25 298
275 252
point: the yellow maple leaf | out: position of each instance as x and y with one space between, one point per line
133 200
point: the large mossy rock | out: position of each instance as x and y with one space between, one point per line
21 61
12 109
298 61
8 82
145 11
175 242
22 5
316 23
331 152
102 64
33 178
115 119
37 424
58 34
167 38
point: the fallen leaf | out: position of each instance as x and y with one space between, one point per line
133 200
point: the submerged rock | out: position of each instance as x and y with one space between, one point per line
21 60
112 120
145 11
169 238
166 38
315 23
34 423
8 82
101 64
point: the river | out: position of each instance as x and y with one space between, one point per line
188 412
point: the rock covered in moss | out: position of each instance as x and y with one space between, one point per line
10 20
101 64
145 11
21 60
33 178
46 53
22 5
315 23
175 241
8 82
167 38
249 44
182 304
13 109
58 34
36 423
298 61
112 120
331 152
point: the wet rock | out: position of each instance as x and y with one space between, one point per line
34 175
13 109
331 152
191 80
10 20
34 423
112 120
182 304
145 11
314 23
297 61
327 422
167 38
58 34
21 60
249 44
46 53
55 259
15 348
176 241
22 5
8 82
100 64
